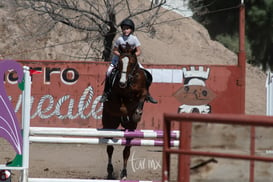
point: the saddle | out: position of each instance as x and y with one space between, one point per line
113 77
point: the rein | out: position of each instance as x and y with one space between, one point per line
132 73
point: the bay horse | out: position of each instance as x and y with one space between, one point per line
125 103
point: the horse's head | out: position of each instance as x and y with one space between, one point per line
127 65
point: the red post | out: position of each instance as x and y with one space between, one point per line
242 64
242 54
166 146
185 144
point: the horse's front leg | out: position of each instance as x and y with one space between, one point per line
126 155
138 112
110 168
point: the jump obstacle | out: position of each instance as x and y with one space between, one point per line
77 135
77 180
92 132
109 137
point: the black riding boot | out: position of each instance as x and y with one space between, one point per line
149 98
106 91
149 80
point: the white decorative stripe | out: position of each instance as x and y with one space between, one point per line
167 75
125 61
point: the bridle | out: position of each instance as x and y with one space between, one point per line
132 72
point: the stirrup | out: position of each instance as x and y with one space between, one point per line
104 98
149 98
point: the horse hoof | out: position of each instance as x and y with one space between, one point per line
110 170
123 174
110 176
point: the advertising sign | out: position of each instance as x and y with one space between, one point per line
66 93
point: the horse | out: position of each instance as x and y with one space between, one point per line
125 103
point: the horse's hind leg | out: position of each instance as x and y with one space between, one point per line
110 168
126 155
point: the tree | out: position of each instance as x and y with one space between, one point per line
260 31
98 20
220 17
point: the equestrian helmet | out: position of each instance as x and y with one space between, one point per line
128 22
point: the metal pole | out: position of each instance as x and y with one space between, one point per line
26 122
184 161
269 94
166 146
242 55
242 63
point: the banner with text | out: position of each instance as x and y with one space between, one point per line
66 94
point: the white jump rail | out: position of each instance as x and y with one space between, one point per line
79 180
133 142
26 100
102 136
269 94
93 132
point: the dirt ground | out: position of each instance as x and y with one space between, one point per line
186 42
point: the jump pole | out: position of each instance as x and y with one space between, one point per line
68 140
92 132
26 100
78 180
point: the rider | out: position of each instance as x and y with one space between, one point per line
127 27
